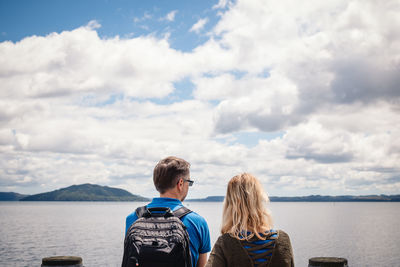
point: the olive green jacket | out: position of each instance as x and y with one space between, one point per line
229 252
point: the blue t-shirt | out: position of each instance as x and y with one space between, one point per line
199 234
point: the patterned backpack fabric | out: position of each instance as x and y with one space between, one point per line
158 238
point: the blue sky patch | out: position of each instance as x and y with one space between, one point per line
250 139
127 19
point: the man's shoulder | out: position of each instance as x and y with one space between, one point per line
133 215
199 232
195 218
194 214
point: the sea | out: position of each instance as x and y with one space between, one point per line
365 233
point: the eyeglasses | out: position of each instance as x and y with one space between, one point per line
189 181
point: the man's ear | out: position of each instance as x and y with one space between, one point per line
180 184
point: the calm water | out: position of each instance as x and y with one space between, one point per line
365 233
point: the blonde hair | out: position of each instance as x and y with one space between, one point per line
245 212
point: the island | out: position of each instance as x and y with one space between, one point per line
86 192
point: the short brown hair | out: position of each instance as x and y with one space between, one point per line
168 171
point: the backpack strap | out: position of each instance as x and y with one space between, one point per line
141 211
183 211
180 213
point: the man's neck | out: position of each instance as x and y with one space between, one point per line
170 194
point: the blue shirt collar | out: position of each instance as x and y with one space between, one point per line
166 200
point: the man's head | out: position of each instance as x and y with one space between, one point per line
170 174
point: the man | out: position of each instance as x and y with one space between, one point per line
171 178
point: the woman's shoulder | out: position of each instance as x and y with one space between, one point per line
283 252
226 238
227 241
282 234
283 241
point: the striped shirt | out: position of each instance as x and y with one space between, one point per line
260 251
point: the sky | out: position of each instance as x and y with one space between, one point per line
304 95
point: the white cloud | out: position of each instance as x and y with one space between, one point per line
146 16
221 4
93 24
199 25
78 108
251 102
171 15
80 62
332 53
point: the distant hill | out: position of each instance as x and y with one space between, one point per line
86 192
317 198
208 199
11 196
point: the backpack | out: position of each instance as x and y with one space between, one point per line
158 238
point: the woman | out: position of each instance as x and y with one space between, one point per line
247 237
